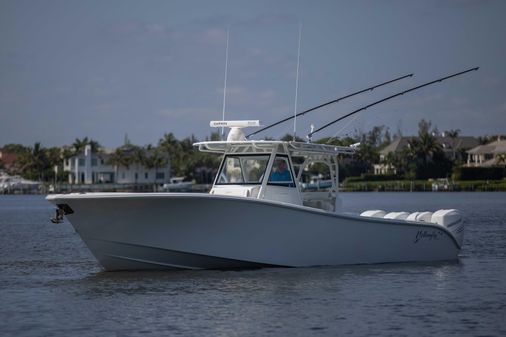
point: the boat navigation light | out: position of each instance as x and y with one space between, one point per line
235 134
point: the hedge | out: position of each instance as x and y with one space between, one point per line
481 173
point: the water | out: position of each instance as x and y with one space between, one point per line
50 285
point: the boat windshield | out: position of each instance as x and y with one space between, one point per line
245 169
281 174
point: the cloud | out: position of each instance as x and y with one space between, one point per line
466 3
491 81
249 97
215 35
187 34
107 108
258 20
417 101
459 101
127 27
270 19
209 29
155 28
233 90
197 112
134 28
268 94
502 107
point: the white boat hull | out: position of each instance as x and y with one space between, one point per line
126 231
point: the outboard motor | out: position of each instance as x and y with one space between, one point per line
377 213
452 220
420 216
397 215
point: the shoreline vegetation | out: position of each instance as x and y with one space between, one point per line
425 186
424 164
346 187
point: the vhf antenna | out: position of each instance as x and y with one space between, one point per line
310 135
296 87
225 85
328 103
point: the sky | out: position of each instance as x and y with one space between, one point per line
105 69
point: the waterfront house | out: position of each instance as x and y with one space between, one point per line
487 155
453 147
87 167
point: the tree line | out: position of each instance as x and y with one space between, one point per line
38 163
423 157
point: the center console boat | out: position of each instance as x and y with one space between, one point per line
257 214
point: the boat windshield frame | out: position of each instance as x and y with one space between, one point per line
267 157
289 168
328 154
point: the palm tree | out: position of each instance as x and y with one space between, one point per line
426 146
453 134
501 158
138 158
172 147
34 163
368 155
391 162
80 144
120 158
154 158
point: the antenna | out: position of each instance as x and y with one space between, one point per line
225 85
330 102
296 86
390 97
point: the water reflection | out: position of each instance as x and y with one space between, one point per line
275 282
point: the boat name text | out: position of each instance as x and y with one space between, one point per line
426 235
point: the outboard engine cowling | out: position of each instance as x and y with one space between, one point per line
424 216
420 216
397 215
377 213
412 216
451 219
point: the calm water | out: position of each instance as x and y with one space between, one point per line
50 285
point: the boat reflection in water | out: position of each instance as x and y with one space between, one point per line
257 214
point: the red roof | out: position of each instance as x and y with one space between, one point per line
7 158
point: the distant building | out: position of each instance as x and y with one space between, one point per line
97 168
7 159
395 147
453 148
491 154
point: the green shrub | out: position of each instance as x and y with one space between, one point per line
482 173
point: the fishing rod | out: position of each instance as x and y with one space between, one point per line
329 102
310 135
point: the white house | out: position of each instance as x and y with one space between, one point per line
487 155
95 168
